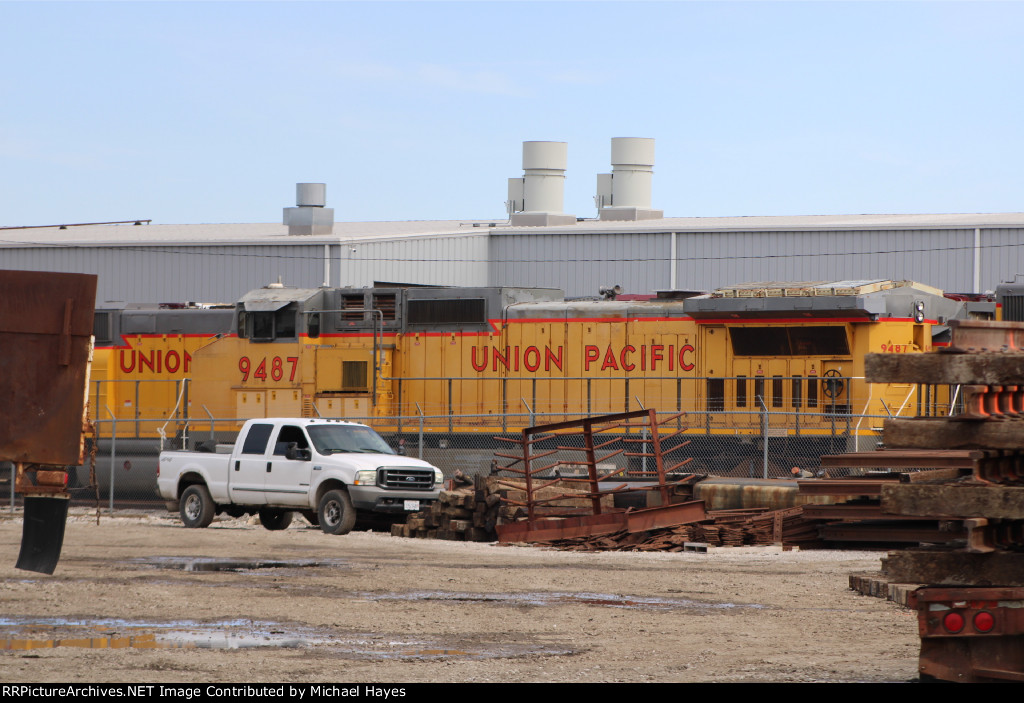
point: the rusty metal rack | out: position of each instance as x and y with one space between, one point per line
598 434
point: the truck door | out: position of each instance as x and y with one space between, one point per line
287 480
247 473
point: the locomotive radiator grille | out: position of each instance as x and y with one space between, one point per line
405 478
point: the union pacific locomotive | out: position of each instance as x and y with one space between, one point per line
485 360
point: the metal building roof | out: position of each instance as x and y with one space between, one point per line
269 233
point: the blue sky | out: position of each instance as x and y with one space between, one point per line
190 112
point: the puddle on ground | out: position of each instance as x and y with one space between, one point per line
539 599
47 633
234 565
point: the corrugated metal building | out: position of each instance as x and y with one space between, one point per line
219 263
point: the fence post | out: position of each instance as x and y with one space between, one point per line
419 442
113 453
764 435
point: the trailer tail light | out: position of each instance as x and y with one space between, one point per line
953 622
984 621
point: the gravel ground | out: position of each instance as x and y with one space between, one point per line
238 603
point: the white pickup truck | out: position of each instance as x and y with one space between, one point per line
325 470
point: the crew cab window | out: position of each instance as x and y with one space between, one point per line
256 440
287 435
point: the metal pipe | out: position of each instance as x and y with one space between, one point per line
764 438
113 452
419 442
212 422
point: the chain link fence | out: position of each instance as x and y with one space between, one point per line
755 444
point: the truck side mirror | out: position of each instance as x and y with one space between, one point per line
293 453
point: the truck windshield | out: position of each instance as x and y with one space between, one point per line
335 439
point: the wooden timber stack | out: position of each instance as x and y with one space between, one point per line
470 513
968 609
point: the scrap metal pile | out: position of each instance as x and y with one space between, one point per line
970 612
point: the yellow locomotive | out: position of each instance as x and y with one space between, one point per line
468 358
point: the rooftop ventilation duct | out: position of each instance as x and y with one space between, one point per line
310 216
536 198
625 193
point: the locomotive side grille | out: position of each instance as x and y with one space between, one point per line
405 478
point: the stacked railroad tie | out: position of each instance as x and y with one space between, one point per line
971 593
980 448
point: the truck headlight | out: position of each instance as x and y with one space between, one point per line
366 478
438 476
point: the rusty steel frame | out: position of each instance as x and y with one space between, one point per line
600 521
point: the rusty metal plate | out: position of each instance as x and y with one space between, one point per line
551 530
665 516
46 322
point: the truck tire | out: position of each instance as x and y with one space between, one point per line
275 519
196 506
337 516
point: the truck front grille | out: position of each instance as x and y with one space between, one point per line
404 478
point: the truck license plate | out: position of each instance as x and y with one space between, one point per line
412 505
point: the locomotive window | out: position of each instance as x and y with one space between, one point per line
284 322
241 324
267 326
759 341
789 341
716 395
256 440
262 326
797 394
812 392
138 324
819 341
776 391
758 391
450 311
741 392
313 325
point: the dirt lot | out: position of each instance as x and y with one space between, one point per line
368 607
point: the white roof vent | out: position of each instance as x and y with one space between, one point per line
625 193
536 198
310 216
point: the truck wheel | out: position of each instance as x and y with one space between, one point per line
275 519
196 506
337 516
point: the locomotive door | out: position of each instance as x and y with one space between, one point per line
835 386
715 367
744 388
